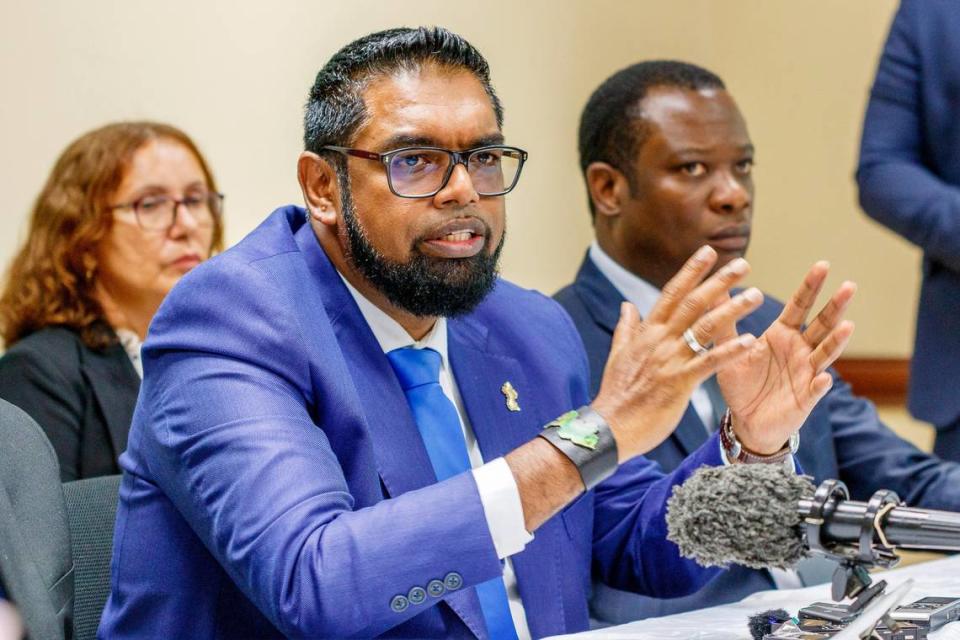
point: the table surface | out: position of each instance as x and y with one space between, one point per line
729 622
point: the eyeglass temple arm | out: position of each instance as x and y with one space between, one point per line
357 153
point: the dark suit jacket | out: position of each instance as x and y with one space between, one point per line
276 482
36 568
909 179
843 438
83 399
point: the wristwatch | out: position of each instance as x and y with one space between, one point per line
736 452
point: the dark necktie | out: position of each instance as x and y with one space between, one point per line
418 371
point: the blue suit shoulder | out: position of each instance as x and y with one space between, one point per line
229 306
521 315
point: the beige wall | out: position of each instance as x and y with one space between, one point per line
235 75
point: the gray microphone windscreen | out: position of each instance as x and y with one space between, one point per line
743 513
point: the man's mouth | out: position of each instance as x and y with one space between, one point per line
459 238
735 238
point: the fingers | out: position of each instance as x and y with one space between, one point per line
690 274
831 347
705 365
796 310
627 325
694 304
719 325
830 315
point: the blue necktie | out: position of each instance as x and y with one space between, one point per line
418 371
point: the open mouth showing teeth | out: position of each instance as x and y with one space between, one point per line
460 236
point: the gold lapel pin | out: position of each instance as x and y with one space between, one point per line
511 396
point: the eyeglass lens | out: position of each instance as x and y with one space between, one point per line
159 212
419 172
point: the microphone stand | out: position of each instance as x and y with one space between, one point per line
851 579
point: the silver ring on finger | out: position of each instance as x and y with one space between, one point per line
694 344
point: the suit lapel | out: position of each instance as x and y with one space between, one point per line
480 374
600 297
115 385
402 460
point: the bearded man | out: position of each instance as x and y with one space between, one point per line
341 425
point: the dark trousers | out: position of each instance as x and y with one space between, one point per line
947 444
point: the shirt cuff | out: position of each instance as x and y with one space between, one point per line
789 463
500 498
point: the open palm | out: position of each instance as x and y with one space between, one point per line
774 388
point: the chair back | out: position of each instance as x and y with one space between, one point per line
35 563
91 512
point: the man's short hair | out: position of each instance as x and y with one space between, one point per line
335 108
611 125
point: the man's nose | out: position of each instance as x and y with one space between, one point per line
459 190
731 194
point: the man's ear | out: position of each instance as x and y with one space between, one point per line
608 188
318 181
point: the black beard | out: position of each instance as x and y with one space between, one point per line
423 286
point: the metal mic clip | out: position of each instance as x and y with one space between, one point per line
851 579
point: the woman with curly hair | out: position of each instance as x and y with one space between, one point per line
127 210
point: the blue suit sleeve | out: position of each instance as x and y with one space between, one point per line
232 444
897 188
630 545
871 456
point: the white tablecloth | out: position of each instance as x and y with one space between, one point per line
729 622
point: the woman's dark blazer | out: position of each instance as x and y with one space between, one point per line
82 398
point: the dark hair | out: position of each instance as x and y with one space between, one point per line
611 125
52 279
335 108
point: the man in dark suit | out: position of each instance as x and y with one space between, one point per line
339 428
667 161
909 179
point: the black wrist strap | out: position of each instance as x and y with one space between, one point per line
585 438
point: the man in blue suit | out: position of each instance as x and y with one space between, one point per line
667 161
341 425
909 179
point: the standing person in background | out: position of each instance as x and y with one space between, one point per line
909 180
127 210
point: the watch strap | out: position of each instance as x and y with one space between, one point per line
585 438
736 452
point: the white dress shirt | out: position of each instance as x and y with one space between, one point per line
496 485
132 344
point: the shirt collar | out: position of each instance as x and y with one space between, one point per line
633 288
391 335
131 344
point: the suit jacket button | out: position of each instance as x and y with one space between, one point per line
399 604
417 595
436 588
453 580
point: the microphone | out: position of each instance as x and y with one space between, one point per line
762 516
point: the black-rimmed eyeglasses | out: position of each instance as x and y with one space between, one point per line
421 172
159 212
